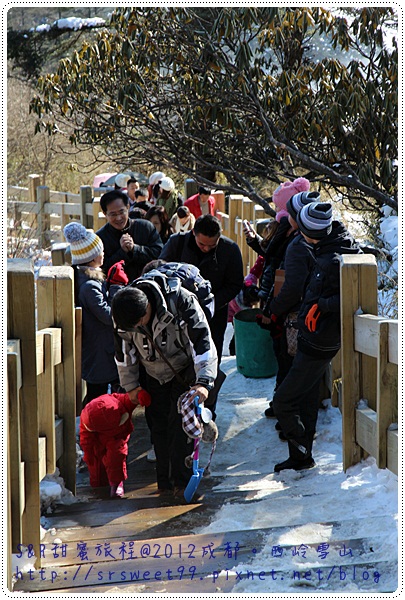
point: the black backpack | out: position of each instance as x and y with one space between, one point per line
192 280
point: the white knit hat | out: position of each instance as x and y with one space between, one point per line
85 245
156 177
167 184
121 180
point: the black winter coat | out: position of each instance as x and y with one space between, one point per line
298 263
147 246
324 289
273 255
222 266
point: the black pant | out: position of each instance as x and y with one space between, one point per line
218 325
94 390
296 400
284 360
171 444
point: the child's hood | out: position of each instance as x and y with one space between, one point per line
104 413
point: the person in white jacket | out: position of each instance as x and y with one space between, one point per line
160 325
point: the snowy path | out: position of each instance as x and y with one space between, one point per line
316 531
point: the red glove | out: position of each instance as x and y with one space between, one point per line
144 398
312 317
116 274
259 321
276 326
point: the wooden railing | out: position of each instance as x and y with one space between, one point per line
46 213
44 382
367 369
41 372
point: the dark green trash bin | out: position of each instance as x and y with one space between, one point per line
254 346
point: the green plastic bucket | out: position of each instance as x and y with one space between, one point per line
254 346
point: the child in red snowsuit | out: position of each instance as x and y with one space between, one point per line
105 427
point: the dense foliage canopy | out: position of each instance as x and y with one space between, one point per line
238 91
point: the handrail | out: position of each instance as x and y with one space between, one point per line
42 373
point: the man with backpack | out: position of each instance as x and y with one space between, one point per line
160 325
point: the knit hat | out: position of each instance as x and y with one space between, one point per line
121 180
167 184
295 203
315 220
285 191
85 245
156 177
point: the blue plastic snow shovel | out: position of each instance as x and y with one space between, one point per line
197 472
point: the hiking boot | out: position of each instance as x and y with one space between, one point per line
164 492
282 436
269 412
117 491
297 465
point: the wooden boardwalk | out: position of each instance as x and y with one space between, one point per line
146 544
228 542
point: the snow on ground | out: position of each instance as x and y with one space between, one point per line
362 503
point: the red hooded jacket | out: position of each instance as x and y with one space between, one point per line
103 440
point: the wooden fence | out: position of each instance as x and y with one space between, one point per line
40 213
44 213
42 333
44 376
366 369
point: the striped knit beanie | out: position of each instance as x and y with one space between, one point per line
315 220
295 203
85 245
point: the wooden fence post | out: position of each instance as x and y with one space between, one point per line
60 253
358 285
16 467
387 396
50 344
235 212
219 200
34 181
21 311
55 300
85 198
97 221
43 219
